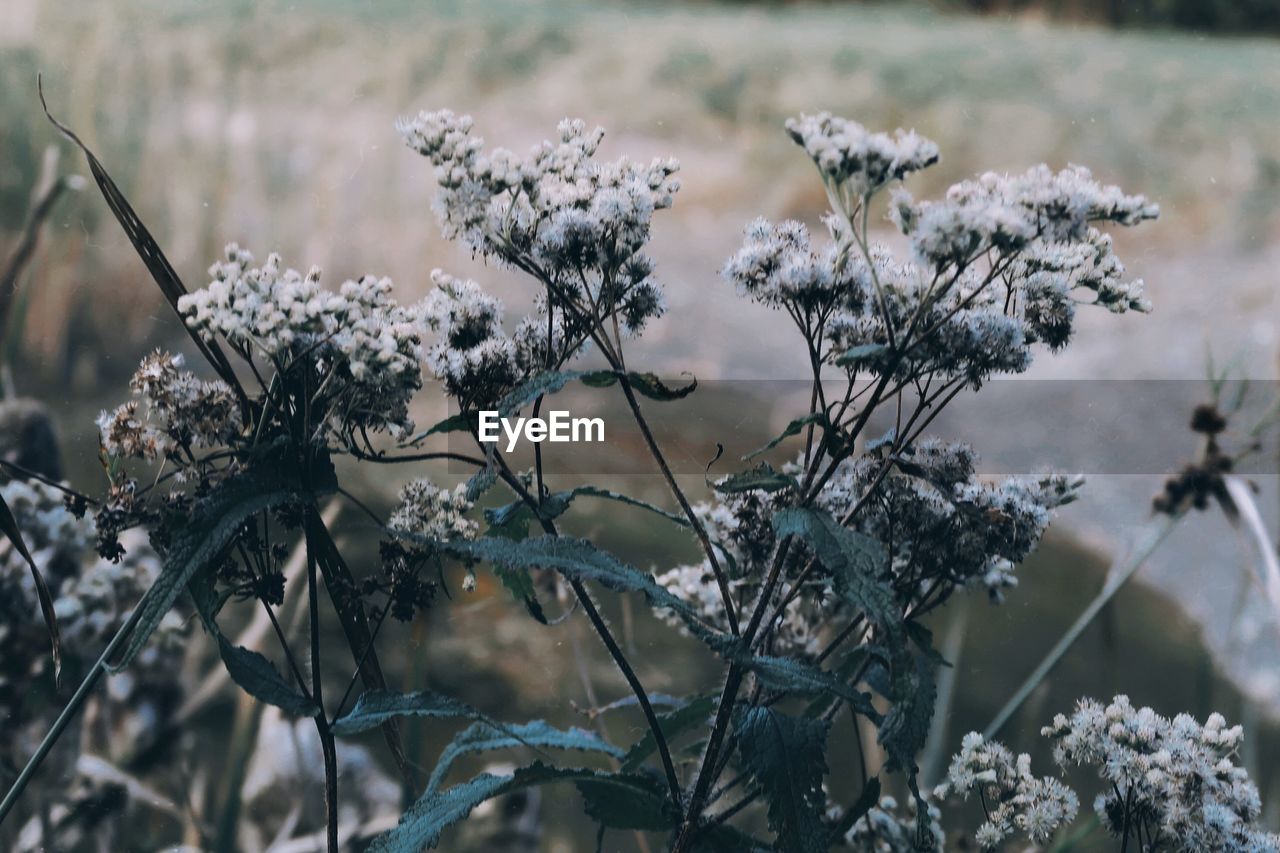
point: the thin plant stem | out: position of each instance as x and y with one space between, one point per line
322 724
1116 578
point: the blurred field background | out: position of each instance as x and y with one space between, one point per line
271 124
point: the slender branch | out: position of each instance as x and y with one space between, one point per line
722 580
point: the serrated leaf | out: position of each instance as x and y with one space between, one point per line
421 826
855 561
762 477
549 383
905 728
577 559
788 675
256 675
375 707
629 807
923 638
480 482
787 759
215 522
651 386
860 354
9 526
484 737
673 724
461 422
596 492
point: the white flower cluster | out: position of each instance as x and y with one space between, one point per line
887 828
945 521
472 354
1007 213
52 533
1013 799
777 266
428 510
1174 777
847 154
175 410
576 224
363 347
999 263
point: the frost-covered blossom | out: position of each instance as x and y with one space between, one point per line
362 348
174 410
944 520
1174 777
472 354
577 224
1013 800
778 266
945 525
889 828
428 510
438 515
998 265
53 534
1007 213
848 154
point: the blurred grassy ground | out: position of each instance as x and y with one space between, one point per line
271 124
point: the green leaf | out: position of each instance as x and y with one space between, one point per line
788 675
484 737
652 387
762 477
421 826
375 707
860 354
794 428
855 560
214 524
549 383
923 638
461 422
906 727
787 758
254 673
596 492
628 807
9 526
673 724
480 482
867 800
600 379
577 559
